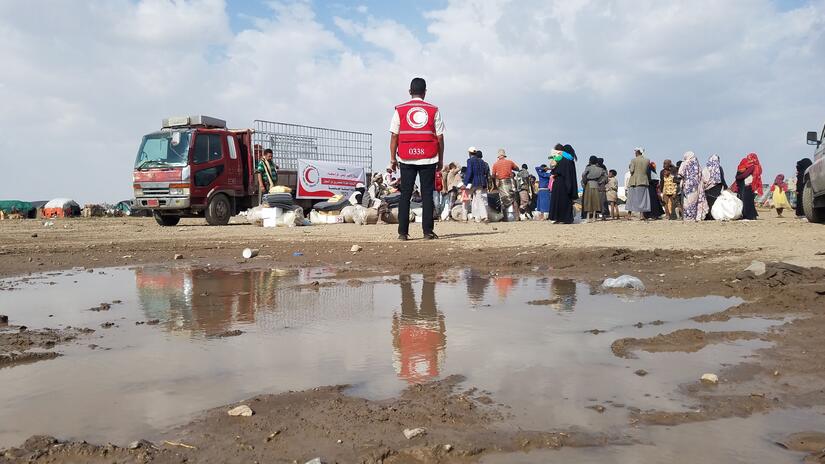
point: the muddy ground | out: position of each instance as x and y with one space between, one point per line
672 259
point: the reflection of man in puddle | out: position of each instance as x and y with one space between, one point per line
563 294
477 284
418 334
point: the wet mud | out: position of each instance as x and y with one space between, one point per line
21 345
684 340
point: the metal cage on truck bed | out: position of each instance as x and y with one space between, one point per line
291 142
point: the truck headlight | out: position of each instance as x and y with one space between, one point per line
179 189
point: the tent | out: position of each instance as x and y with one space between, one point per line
23 208
61 207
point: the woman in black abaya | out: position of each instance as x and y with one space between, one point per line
565 187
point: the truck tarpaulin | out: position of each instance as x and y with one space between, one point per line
321 180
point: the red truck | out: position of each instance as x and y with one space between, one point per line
194 166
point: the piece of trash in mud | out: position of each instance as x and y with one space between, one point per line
280 272
776 373
34 235
596 331
356 248
141 444
297 253
242 410
624 281
811 442
710 378
4 319
249 253
126 257
178 256
448 448
339 441
175 443
153 322
272 435
641 372
412 433
598 408
758 268
101 307
638 325
48 224
315 461
116 302
107 325
229 333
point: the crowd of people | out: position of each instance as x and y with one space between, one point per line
685 190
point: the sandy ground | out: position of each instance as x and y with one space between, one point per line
672 258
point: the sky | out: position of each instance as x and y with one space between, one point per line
82 81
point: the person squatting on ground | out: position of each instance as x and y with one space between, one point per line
417 147
375 197
503 173
475 179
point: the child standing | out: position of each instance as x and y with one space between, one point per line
780 200
612 193
669 192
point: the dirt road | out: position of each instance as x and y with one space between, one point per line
672 258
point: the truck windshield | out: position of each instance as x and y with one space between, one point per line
165 149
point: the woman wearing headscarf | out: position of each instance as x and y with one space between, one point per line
749 184
694 204
778 194
565 186
656 209
801 166
714 178
592 176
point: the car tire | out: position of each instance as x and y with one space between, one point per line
166 220
218 211
813 213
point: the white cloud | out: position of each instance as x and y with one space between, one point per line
81 82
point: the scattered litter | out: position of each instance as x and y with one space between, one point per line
107 325
598 408
34 235
182 445
242 410
153 322
448 448
178 256
272 435
412 433
126 257
141 444
710 378
757 267
48 224
249 253
340 441
641 372
297 253
356 248
624 281
315 461
229 333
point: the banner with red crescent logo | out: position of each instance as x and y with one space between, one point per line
319 180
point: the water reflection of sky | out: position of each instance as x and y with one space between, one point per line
378 335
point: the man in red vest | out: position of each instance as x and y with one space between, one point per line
417 147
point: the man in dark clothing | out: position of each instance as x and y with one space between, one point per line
417 141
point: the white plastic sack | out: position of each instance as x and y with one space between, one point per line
358 215
459 213
728 207
624 281
254 215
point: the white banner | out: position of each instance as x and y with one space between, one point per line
319 180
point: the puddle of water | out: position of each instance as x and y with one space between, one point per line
378 335
733 441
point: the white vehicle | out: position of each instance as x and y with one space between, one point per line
813 194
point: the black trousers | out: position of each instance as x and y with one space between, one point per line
426 174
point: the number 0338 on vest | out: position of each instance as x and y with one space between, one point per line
417 139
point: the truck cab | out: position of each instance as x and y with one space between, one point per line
813 194
195 167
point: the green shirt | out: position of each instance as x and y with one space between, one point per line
262 171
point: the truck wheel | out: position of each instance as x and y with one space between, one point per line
219 211
166 220
812 213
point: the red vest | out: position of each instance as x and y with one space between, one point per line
416 135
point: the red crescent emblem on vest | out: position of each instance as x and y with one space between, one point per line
417 117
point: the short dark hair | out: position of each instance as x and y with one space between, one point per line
613 171
418 86
268 150
524 166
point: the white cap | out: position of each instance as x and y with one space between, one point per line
359 185
472 150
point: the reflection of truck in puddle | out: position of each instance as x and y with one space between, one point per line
813 193
211 301
196 167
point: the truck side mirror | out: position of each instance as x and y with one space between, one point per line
812 138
